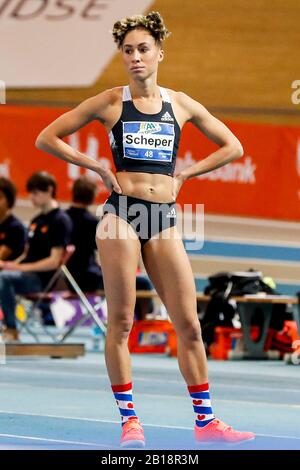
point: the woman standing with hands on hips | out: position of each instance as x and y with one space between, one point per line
144 122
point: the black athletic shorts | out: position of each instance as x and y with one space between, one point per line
146 217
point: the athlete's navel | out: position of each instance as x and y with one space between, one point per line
151 190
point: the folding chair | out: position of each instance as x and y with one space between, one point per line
32 301
89 310
50 293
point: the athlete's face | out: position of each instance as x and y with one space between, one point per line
141 54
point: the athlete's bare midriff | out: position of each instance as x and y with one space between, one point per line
148 186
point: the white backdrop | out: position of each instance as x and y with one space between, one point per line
59 43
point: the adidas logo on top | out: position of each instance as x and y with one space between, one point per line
172 213
167 117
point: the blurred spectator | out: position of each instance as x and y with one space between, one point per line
49 233
12 231
83 265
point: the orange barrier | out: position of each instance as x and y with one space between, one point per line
265 182
153 336
229 339
284 340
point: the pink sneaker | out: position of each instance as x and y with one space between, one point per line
216 431
132 434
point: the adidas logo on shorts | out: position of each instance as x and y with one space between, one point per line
167 117
171 214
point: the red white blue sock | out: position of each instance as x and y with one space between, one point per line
123 396
201 404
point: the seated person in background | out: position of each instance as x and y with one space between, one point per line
12 231
49 233
82 264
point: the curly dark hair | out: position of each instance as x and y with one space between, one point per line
153 22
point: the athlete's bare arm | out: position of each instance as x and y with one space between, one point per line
230 147
104 107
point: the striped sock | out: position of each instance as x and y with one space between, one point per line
201 404
123 396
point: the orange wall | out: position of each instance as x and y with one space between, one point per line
264 183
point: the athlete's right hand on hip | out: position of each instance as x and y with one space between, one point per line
110 181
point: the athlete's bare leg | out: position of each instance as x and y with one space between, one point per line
119 260
170 271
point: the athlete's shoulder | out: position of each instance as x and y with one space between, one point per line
189 105
184 106
172 93
180 97
107 97
99 106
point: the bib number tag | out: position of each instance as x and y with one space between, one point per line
151 141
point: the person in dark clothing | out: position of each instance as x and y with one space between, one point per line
49 233
12 231
83 265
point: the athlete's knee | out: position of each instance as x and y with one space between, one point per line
190 331
121 325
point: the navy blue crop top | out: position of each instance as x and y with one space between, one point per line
146 143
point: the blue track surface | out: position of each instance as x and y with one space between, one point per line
67 404
246 250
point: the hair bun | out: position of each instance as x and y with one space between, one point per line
155 16
153 22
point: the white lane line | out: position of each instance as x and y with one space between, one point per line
155 380
57 441
279 436
167 395
107 421
173 397
92 420
75 418
254 403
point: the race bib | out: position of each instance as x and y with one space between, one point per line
152 141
